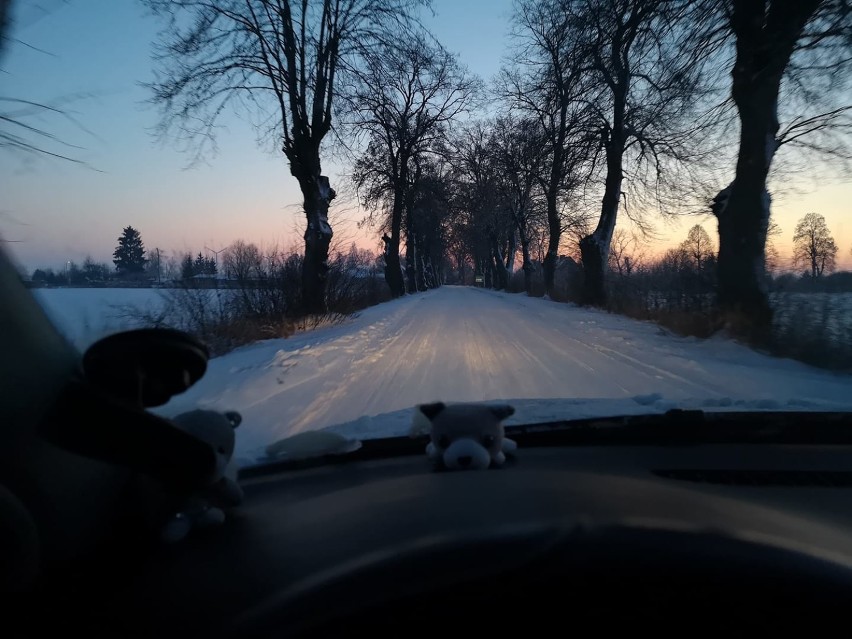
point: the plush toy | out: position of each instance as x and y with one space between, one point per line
465 436
204 508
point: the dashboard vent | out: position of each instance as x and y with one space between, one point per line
727 477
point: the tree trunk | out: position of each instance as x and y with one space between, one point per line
764 46
526 264
421 274
420 271
814 266
510 254
435 265
500 271
528 267
594 248
317 195
393 268
428 274
743 215
555 231
410 259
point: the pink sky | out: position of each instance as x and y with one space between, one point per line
206 208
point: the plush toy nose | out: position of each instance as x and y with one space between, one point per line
465 460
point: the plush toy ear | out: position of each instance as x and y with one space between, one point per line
432 410
234 417
502 412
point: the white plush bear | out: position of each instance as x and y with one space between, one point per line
204 508
465 436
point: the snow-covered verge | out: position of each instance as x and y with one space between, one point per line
550 360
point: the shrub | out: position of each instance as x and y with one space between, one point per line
264 301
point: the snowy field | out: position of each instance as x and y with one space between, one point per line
832 311
551 361
84 315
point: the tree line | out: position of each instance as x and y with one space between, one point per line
131 263
632 104
241 264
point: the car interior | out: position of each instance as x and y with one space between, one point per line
723 521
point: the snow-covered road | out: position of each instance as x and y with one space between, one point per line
466 344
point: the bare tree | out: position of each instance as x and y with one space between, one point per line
242 261
776 41
404 98
518 146
284 57
625 256
485 209
813 245
640 86
773 256
475 194
428 222
699 247
545 84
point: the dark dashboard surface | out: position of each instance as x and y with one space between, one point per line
300 527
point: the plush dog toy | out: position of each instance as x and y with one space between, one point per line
465 436
204 508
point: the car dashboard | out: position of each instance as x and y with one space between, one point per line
318 542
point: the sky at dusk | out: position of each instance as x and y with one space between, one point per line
90 56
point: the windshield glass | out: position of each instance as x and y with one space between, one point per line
577 208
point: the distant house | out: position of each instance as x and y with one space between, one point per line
567 264
207 280
568 278
361 272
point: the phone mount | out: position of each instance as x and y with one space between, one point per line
102 413
146 367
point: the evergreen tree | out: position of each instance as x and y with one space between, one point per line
187 267
129 255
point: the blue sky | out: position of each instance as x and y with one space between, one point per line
98 51
95 54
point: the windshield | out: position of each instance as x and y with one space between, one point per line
576 208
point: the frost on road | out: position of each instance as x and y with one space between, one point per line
464 344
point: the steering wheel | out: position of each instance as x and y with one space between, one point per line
530 580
